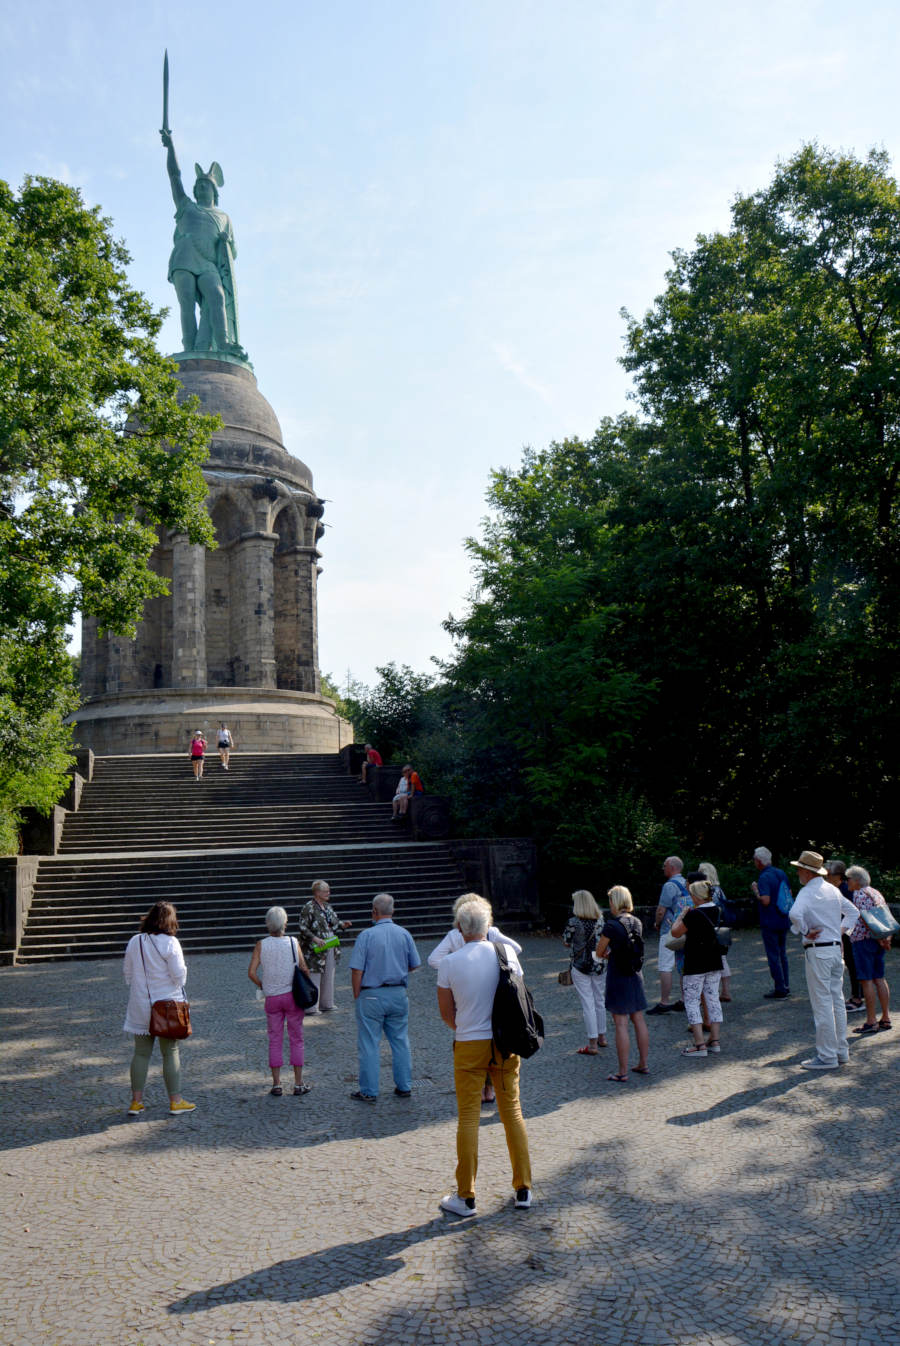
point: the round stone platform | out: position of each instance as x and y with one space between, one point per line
163 721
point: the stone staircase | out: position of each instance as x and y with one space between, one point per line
224 850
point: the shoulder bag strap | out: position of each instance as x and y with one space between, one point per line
144 962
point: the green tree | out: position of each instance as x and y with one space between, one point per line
767 376
95 455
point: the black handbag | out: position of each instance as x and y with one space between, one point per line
303 988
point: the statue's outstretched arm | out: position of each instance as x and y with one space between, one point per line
172 168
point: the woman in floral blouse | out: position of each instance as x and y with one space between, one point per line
319 924
868 953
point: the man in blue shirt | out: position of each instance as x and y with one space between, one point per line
673 899
773 924
382 959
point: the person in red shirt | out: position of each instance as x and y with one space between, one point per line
373 758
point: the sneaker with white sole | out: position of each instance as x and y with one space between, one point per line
523 1198
136 1109
816 1063
457 1205
176 1109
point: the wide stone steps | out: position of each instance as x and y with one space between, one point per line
194 830
223 851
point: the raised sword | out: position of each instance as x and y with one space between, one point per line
166 128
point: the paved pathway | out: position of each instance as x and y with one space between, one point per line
723 1202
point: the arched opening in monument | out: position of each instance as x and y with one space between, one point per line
293 638
220 599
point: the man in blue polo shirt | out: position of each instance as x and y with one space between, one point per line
382 959
773 924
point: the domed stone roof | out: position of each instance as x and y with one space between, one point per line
250 436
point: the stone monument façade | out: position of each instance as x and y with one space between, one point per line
236 637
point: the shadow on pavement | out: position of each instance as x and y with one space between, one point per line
332 1269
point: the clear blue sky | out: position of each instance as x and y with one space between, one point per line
440 208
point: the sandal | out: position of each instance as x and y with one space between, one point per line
865 1029
618 1079
301 1089
641 1070
587 1051
693 1051
276 1091
884 1025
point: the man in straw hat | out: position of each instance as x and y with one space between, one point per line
820 914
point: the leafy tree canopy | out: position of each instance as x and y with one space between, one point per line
692 619
95 455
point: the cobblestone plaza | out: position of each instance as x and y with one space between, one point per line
732 1201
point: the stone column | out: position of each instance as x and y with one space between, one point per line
295 618
188 613
120 665
253 610
91 673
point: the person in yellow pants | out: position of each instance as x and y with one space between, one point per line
467 981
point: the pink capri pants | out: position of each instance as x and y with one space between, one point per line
281 1010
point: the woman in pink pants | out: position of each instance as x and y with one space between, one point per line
272 970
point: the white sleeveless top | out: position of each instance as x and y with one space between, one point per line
276 963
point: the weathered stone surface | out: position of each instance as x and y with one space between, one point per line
242 615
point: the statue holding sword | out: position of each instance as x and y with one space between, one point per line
201 266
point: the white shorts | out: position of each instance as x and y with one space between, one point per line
666 959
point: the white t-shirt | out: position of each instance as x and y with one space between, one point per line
472 974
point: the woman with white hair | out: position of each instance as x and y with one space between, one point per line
588 977
272 971
868 953
320 928
702 968
710 873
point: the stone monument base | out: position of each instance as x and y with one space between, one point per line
164 721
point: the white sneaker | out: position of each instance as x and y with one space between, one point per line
816 1063
456 1205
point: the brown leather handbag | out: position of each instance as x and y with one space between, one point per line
168 1018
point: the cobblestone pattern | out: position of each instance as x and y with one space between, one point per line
726 1202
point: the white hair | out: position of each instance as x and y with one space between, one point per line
319 884
471 897
474 917
276 920
862 876
383 903
675 862
763 853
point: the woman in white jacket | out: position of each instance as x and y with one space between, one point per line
154 970
452 941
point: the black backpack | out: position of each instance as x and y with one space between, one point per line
628 953
516 1026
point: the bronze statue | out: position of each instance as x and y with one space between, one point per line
201 266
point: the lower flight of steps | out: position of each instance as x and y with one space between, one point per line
90 907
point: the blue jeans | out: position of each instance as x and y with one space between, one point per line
775 945
383 1009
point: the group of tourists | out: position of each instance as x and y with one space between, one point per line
381 961
841 919
224 745
606 954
